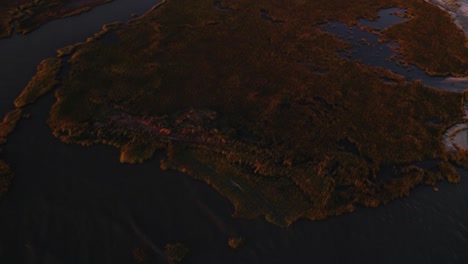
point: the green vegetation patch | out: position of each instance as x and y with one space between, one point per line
263 110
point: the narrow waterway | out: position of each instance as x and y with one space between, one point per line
20 54
70 204
367 48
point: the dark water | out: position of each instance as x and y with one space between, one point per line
71 204
387 18
20 54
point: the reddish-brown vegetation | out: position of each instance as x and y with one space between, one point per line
263 108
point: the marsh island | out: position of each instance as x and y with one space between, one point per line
256 100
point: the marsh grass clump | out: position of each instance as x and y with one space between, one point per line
235 242
139 255
9 123
460 157
136 152
176 252
44 80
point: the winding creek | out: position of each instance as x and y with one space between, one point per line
367 49
70 204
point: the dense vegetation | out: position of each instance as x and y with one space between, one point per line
431 42
265 112
252 98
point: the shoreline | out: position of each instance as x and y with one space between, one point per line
18 15
91 192
458 11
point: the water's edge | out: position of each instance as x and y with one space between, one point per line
71 204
